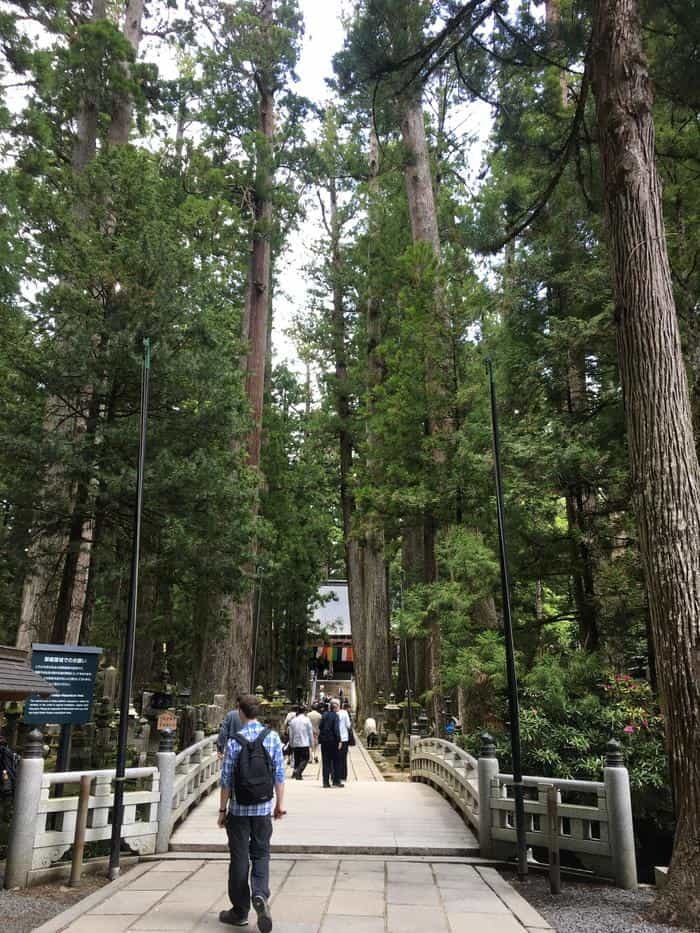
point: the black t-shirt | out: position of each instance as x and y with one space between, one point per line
329 730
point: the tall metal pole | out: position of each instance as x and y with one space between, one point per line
130 635
518 787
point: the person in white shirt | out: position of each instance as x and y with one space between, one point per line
301 740
371 732
345 727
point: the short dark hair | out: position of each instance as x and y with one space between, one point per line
249 706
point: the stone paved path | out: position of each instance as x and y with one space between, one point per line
370 895
367 816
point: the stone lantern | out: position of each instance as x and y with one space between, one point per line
392 713
378 710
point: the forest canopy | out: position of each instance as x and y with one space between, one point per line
476 180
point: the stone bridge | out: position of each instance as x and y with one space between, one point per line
376 855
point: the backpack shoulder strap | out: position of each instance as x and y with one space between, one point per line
242 740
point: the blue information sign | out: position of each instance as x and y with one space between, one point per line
71 669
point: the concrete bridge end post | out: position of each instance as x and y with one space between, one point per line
487 770
20 850
620 825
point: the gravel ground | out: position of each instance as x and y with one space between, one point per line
583 907
24 911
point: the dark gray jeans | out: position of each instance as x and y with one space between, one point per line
249 845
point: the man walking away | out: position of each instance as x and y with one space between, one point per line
301 738
329 736
315 720
229 727
252 774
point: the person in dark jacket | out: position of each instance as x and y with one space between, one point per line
229 727
329 739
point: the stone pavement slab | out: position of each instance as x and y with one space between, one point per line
400 919
356 924
311 896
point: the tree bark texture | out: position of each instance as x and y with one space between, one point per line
580 501
376 647
233 671
120 122
663 460
580 509
354 550
424 229
255 326
68 555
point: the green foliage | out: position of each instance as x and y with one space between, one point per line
570 708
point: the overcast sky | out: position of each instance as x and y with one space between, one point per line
323 37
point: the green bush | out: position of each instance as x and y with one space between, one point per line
570 708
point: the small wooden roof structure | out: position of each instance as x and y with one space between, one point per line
17 680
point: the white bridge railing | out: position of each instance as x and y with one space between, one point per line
594 818
155 800
452 771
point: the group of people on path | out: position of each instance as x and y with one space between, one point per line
327 725
252 790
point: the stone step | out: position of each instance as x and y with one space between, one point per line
314 849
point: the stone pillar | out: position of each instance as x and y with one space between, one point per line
488 769
197 756
165 760
620 825
20 850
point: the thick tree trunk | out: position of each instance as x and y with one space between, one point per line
376 615
77 567
74 549
419 183
354 549
375 575
236 654
663 460
120 123
424 229
413 568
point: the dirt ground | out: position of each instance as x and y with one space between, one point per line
22 911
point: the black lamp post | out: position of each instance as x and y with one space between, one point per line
130 634
518 787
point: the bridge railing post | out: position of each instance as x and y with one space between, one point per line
165 759
487 770
620 825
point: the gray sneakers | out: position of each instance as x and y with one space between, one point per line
262 909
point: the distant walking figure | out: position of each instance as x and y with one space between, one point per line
329 737
252 775
301 739
315 720
345 726
371 733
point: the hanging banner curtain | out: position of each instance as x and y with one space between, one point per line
334 654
